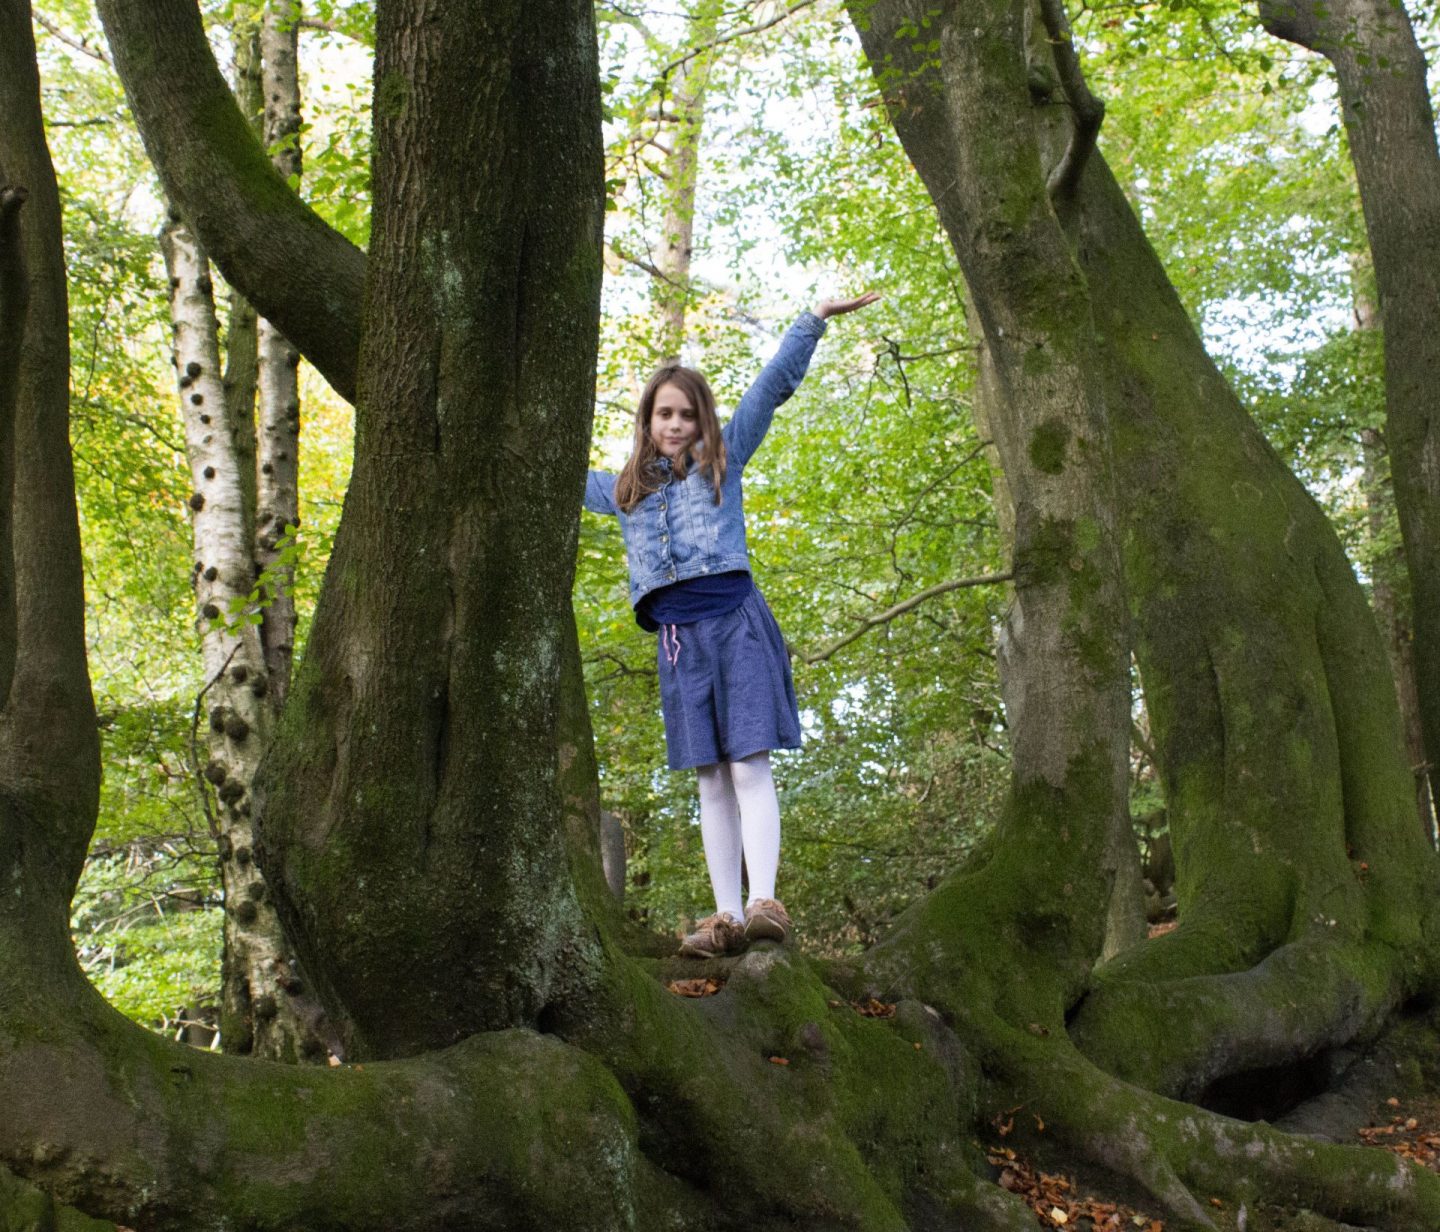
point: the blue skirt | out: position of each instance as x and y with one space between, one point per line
725 687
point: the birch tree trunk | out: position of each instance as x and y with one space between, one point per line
243 501
261 1012
278 455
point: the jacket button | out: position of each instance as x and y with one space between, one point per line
664 538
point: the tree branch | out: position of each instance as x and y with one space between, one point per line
296 270
79 44
1088 110
879 618
733 35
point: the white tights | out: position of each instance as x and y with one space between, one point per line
739 812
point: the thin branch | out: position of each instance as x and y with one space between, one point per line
721 40
879 618
648 266
329 27
1088 110
79 44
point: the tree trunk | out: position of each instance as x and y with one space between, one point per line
264 1009
1390 583
965 121
1249 622
261 1011
1390 126
686 116
14 300
278 482
422 769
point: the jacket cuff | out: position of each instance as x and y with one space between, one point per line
808 323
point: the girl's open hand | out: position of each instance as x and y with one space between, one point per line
837 307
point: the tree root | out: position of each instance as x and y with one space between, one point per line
1179 1037
1179 1153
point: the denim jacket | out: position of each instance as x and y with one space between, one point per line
678 531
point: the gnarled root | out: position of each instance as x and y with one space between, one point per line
1184 1156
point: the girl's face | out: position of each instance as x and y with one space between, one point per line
674 422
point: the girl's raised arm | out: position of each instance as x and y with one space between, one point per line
781 377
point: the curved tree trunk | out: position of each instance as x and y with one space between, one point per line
1390 126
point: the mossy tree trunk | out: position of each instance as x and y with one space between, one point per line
1390 126
412 820
637 1109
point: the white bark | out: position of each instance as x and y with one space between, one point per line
259 980
278 446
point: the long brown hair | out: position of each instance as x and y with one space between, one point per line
640 475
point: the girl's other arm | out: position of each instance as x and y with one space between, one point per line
600 492
781 377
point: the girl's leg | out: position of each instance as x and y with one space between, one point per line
720 831
754 788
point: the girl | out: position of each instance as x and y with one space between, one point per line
725 685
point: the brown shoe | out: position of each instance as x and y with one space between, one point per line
714 936
766 920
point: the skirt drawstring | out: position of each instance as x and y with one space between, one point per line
672 658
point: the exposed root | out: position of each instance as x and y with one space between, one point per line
1178 1038
1184 1156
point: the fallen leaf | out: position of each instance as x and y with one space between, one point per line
707 986
779 1060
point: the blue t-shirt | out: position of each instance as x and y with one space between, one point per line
698 598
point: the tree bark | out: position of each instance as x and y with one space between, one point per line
262 1011
278 481
1390 126
14 301
422 769
964 117
49 740
1390 583
686 117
